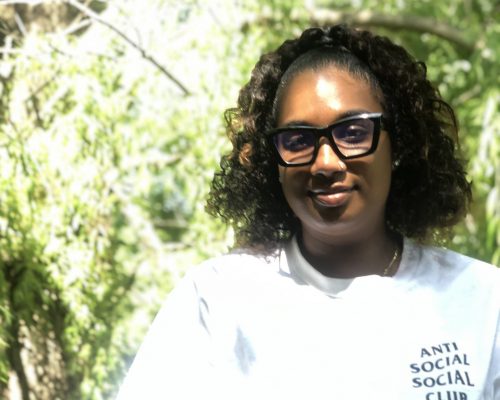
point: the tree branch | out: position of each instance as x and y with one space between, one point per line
367 18
97 18
398 22
14 2
14 345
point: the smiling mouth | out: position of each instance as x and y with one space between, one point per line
331 197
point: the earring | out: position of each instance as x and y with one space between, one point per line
395 164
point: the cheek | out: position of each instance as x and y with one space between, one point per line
284 181
374 173
281 173
380 172
293 182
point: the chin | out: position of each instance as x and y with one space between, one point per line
343 225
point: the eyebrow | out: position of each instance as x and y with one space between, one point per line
346 114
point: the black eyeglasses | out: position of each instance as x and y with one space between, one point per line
350 137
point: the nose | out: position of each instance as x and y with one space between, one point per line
327 162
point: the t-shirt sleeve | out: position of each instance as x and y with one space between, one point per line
173 360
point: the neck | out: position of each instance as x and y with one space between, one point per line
368 256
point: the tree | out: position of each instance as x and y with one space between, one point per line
109 140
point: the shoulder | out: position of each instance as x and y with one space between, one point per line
237 262
447 268
238 268
448 260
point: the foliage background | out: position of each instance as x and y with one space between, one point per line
106 161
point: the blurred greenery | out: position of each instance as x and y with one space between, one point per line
106 162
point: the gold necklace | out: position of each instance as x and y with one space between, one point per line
394 258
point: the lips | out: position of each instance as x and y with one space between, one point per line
334 196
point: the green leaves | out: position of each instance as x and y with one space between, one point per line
105 165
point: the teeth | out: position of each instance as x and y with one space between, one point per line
331 192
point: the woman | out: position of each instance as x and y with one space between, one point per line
343 161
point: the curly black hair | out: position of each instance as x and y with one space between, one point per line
429 190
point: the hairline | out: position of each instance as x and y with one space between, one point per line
324 64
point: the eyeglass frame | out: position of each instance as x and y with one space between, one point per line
319 132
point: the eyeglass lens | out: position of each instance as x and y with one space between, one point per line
352 138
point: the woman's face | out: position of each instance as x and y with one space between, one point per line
337 202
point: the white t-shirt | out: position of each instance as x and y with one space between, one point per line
245 327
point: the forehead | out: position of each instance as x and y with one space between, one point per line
320 97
